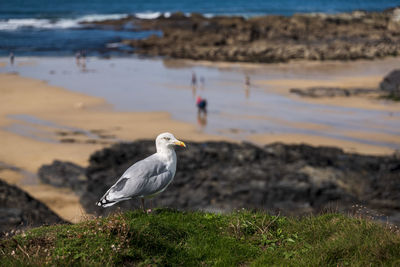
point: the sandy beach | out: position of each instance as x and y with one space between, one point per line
41 122
25 154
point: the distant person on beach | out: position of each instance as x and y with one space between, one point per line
12 57
194 83
83 57
201 104
247 81
247 86
78 58
194 79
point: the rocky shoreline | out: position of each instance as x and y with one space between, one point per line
19 210
268 39
222 176
316 92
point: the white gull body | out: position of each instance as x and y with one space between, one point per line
148 177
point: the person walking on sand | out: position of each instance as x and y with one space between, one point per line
194 79
194 83
247 82
12 57
247 86
78 58
201 104
83 56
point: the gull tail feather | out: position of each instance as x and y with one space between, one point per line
106 202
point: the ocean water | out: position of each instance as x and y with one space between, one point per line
52 27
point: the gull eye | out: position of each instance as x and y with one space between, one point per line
167 138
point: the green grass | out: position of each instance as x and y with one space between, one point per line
171 238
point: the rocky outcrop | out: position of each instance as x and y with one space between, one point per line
347 36
63 174
391 84
18 210
333 92
221 176
389 89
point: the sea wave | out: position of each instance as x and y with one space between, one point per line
15 24
100 17
156 14
151 15
67 23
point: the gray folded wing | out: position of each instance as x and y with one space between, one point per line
144 178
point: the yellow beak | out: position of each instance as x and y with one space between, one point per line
180 143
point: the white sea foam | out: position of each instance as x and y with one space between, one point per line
154 15
114 45
148 15
14 24
208 15
99 17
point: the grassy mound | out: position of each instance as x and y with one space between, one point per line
174 238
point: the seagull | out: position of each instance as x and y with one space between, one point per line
148 177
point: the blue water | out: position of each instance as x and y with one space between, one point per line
51 27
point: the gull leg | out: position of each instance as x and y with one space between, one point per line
142 199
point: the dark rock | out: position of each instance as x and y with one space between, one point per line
67 140
18 210
391 83
221 176
63 174
332 92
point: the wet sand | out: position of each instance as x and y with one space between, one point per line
235 111
366 74
368 101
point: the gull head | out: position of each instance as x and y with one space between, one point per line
167 141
